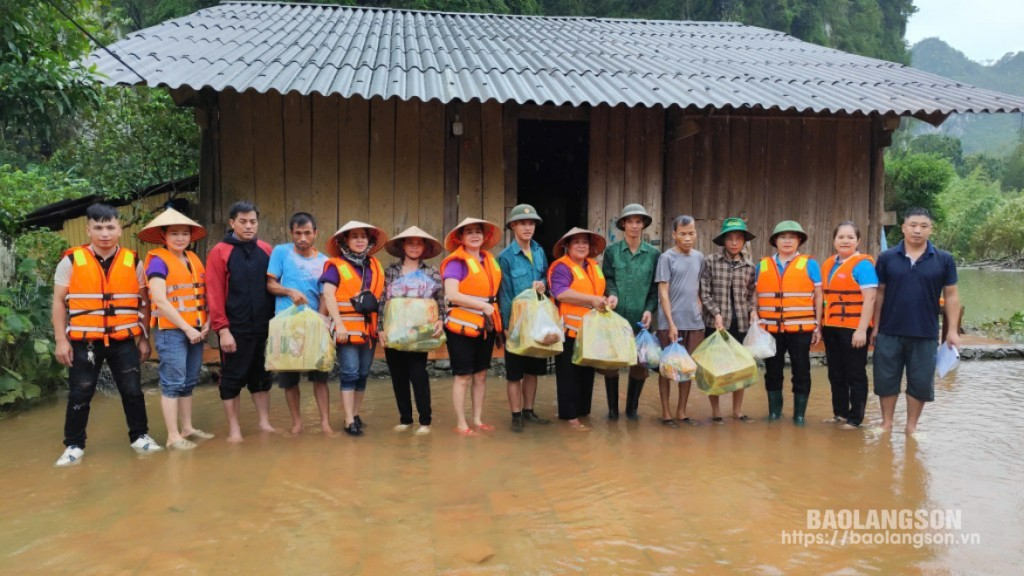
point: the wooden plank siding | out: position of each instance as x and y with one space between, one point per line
397 163
769 168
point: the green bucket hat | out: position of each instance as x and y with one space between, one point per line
788 226
523 212
733 225
633 210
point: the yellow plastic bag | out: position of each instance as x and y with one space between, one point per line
299 340
536 326
605 341
409 325
676 364
723 365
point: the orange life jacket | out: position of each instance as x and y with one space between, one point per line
186 289
103 306
480 283
843 298
360 328
785 301
589 281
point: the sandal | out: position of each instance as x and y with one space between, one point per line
689 421
668 422
466 432
743 418
717 420
182 444
197 433
484 427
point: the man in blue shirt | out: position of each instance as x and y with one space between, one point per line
292 276
912 276
523 266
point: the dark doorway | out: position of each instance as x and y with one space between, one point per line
552 175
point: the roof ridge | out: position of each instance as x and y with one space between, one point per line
492 14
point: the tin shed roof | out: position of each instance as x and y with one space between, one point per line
307 48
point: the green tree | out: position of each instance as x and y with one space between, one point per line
966 204
1002 234
915 180
137 137
41 83
1013 173
940 145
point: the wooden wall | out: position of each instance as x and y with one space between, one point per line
766 169
395 163
626 167
74 230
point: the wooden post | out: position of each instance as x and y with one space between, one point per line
881 137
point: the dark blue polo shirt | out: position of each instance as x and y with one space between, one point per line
912 291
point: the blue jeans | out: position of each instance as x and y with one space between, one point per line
180 362
354 363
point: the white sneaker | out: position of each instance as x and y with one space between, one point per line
72 455
144 444
422 430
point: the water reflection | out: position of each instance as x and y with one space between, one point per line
624 498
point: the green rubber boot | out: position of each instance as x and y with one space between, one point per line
799 407
774 405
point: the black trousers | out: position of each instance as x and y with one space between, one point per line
574 384
123 358
410 368
798 344
847 373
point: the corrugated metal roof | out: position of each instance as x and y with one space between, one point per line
348 51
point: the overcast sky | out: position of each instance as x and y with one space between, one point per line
981 29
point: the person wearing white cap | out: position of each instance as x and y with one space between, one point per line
177 287
413 247
471 280
353 282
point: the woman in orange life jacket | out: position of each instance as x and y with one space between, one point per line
789 306
177 288
578 285
850 285
353 282
471 281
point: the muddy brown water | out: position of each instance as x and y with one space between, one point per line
622 498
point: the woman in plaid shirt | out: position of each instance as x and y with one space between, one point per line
727 292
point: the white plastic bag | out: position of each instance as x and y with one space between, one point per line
759 342
946 359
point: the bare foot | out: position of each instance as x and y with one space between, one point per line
327 430
886 426
576 424
267 428
234 438
848 426
296 428
910 430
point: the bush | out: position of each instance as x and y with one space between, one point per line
1002 233
28 369
43 248
915 180
22 191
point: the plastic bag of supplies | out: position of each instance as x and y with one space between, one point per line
648 350
759 342
415 285
536 326
299 339
605 341
676 363
409 324
723 365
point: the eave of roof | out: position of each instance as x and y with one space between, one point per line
371 52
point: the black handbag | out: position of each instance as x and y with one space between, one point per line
365 303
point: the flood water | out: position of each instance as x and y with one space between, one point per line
990 294
622 498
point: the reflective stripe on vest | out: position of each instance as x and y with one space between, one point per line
844 300
359 328
785 302
481 283
590 281
185 289
103 306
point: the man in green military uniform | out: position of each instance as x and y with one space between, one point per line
629 265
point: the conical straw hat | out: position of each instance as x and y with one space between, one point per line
431 248
154 231
377 237
492 234
597 242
